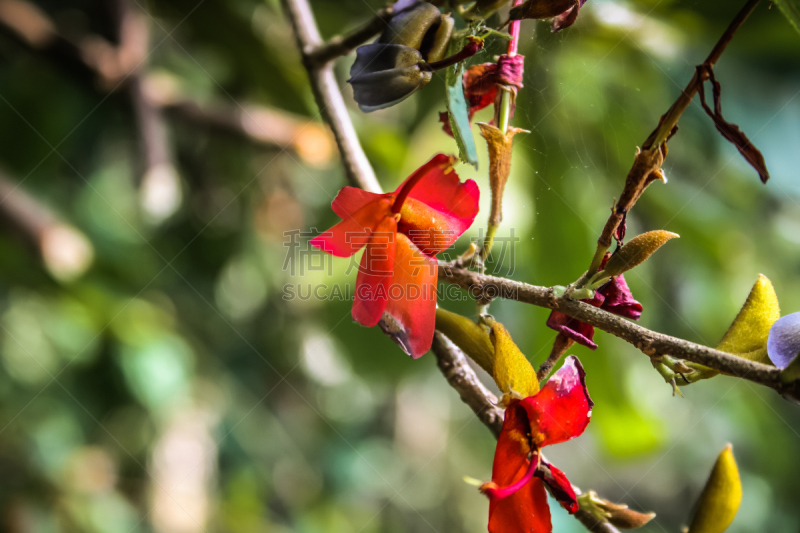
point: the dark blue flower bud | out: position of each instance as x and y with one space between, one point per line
399 62
385 74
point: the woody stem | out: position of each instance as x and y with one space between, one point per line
560 347
635 181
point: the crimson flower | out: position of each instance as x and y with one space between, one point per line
614 297
402 231
560 411
481 83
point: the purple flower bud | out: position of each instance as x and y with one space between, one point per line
783 344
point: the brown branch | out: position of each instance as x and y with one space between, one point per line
650 158
344 44
66 252
259 125
462 378
560 347
649 342
329 97
256 124
670 119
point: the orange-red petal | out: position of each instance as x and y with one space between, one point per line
561 410
412 297
526 510
351 199
375 273
352 233
439 208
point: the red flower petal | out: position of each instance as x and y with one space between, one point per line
440 208
351 199
526 510
562 409
574 329
375 274
352 233
559 485
619 300
412 298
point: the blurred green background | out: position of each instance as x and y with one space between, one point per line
154 375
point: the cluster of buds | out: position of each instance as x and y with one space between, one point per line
404 57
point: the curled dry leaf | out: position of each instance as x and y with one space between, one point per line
728 130
499 165
721 497
635 252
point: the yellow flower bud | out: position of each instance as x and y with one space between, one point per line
721 496
750 330
512 371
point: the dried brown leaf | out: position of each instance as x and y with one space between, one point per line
499 165
731 131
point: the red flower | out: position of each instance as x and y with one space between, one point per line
557 413
481 83
402 231
614 297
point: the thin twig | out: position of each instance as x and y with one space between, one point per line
671 117
560 347
649 342
344 44
329 97
639 174
260 125
453 364
256 124
65 250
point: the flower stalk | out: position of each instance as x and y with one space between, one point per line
502 119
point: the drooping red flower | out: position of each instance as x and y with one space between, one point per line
402 231
614 297
560 411
481 83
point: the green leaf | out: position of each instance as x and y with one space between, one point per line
791 10
457 109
